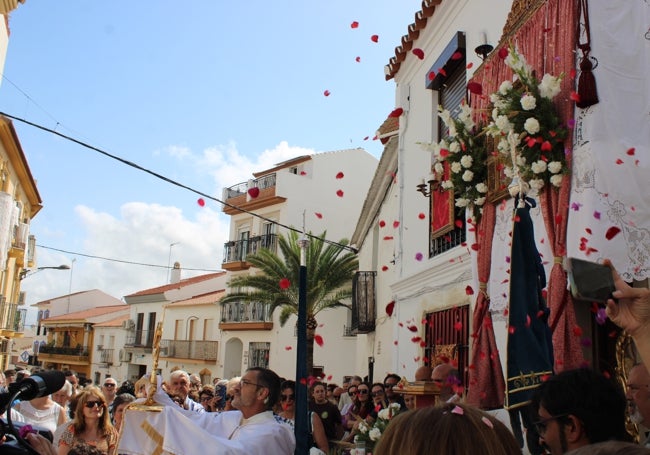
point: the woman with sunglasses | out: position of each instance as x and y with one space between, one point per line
361 409
91 424
288 414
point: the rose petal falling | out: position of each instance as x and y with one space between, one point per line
318 215
390 308
254 192
201 202
374 38
318 340
354 24
339 193
419 53
327 93
612 232
340 175
285 283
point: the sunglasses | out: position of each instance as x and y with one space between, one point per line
377 394
108 384
291 397
92 404
362 392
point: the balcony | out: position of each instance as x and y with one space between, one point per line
106 356
189 349
12 319
245 316
364 305
235 252
63 353
237 195
19 243
140 339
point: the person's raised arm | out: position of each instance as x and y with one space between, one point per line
631 311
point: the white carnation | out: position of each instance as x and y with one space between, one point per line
445 116
494 98
495 114
374 434
438 167
481 187
454 147
509 172
538 166
466 161
503 123
503 146
549 87
554 167
528 102
468 176
363 427
556 180
536 184
384 414
447 184
479 201
532 125
462 202
520 160
505 87
456 167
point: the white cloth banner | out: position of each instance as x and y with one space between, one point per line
170 432
609 214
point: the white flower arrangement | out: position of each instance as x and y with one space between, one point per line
526 125
371 435
462 151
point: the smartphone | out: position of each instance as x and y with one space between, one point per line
589 281
221 391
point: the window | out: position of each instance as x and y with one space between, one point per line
259 355
447 335
450 86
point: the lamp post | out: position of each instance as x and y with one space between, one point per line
70 285
29 272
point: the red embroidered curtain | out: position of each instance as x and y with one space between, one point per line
547 41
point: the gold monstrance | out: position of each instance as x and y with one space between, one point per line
150 404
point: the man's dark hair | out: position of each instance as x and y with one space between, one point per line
393 376
126 387
267 378
595 400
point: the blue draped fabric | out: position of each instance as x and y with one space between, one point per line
530 349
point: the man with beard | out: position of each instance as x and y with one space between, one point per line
577 408
638 397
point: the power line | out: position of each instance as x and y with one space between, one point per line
174 182
122 260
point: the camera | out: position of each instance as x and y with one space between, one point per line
589 281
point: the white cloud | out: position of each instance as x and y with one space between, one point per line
143 233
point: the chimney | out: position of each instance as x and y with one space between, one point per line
175 275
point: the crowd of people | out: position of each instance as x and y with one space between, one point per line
575 412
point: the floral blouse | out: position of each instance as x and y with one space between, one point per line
106 445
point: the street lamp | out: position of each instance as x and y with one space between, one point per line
27 272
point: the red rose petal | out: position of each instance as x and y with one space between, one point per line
503 53
442 71
288 348
201 202
358 59
458 326
419 53
384 268
457 55
577 331
318 215
339 193
475 88
374 38
630 151
416 339
388 237
574 97
469 290
254 192
303 173
612 232
619 161
412 328
421 215
340 175
390 308
458 223
382 223
395 224
354 24
285 283
318 340
572 73
396 112
431 76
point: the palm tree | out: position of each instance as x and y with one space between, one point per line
330 270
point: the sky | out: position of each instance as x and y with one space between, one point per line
203 93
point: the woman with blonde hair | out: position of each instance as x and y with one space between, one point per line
451 428
91 424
